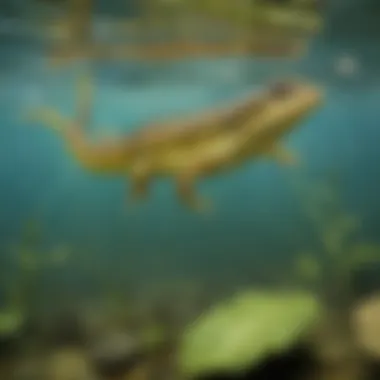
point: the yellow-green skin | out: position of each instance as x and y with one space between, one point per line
193 148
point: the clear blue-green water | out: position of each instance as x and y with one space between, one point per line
258 224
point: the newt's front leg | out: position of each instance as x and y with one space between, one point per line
219 157
188 195
140 180
139 187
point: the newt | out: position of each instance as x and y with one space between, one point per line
189 149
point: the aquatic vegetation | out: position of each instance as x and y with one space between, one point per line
246 20
182 28
250 14
30 260
192 148
27 260
215 28
340 249
245 330
10 322
12 326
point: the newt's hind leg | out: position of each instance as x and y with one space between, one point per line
139 187
140 177
188 195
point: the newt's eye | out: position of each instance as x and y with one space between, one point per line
281 89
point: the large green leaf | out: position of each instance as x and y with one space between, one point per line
244 330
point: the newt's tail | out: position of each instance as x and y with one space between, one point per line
50 118
53 119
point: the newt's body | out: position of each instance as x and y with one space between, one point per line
190 149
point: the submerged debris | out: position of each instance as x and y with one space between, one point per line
69 364
65 328
365 321
116 354
365 325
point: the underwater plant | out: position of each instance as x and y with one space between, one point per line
12 328
30 261
25 257
245 330
255 27
340 250
183 28
295 14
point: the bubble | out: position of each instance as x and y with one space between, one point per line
346 65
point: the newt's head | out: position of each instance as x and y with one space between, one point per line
286 104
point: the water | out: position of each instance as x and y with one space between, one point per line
253 215
92 243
